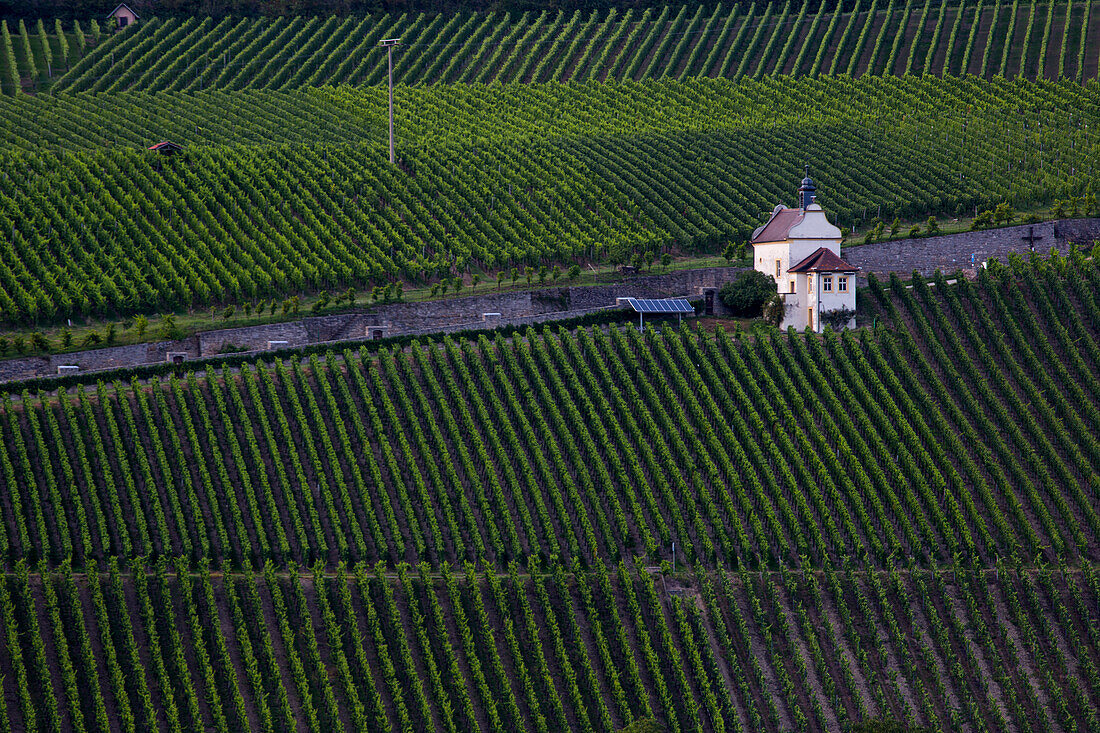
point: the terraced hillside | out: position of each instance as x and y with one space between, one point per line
1031 39
899 522
283 192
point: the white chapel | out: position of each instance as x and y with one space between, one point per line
800 248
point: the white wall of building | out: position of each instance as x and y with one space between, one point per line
825 295
776 258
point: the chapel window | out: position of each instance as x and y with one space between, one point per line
778 264
792 285
842 284
827 284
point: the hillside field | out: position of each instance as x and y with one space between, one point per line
283 192
901 521
1034 40
558 528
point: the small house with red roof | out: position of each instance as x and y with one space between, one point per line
800 249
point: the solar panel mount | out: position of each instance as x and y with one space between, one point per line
660 305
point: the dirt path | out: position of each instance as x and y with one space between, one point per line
812 683
758 649
828 615
994 693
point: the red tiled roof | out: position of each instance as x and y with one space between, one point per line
779 226
823 260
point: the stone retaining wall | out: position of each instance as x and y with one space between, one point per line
967 251
446 315
950 252
110 357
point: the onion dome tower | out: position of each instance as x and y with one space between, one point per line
807 192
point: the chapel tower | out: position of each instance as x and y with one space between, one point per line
800 249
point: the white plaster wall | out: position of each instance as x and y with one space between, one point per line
764 257
827 301
814 225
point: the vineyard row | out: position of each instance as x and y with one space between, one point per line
880 37
543 648
123 230
925 441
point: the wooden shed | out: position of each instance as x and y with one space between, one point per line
166 148
123 15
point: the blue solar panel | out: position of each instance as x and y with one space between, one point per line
653 305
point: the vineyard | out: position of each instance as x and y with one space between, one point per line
280 192
901 522
882 37
549 648
551 530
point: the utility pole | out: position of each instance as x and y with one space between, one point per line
388 44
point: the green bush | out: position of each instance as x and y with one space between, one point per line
746 295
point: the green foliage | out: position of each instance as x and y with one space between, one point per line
29 66
168 327
11 81
838 318
884 725
44 46
835 500
983 220
746 295
81 40
669 43
773 310
577 196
